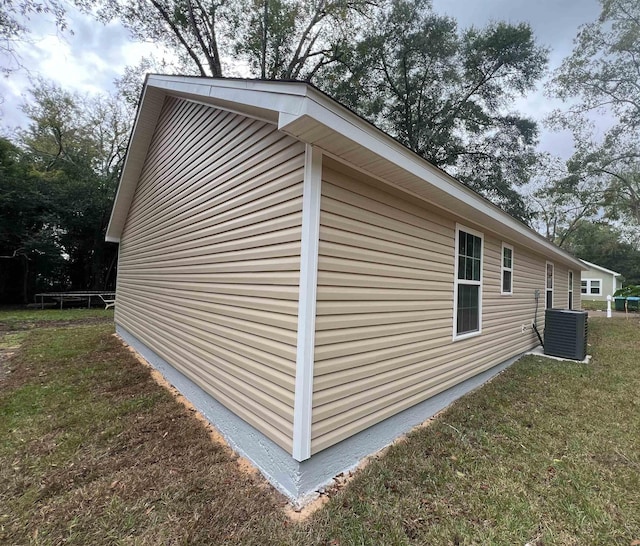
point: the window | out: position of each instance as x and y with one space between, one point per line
570 296
467 314
549 287
591 287
507 269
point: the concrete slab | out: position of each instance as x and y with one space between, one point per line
539 351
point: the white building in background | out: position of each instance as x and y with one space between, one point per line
598 282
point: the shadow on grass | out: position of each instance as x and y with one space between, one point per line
93 452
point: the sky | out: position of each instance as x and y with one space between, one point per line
91 58
555 24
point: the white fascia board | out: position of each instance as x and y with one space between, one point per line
141 134
277 97
343 121
308 288
290 101
599 268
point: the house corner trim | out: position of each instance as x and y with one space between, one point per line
307 303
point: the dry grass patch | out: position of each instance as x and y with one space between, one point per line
93 451
547 453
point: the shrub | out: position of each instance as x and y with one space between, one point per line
633 291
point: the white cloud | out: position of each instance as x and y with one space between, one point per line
555 25
56 63
91 58
86 60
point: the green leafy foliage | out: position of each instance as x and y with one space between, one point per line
269 39
632 290
81 142
602 244
56 191
562 200
275 38
602 73
29 226
445 94
296 39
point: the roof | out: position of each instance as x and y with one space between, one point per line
600 268
306 113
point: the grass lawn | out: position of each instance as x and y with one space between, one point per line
589 305
92 451
21 319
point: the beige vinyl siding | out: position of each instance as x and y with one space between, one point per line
385 306
210 259
561 287
577 296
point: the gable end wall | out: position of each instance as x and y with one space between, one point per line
210 259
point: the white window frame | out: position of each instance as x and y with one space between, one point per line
589 282
456 282
503 269
553 283
570 280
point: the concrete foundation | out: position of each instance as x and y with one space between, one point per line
299 481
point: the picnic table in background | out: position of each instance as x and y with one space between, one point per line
108 297
109 300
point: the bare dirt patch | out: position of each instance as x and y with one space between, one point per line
9 344
5 355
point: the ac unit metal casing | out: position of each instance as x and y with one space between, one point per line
565 333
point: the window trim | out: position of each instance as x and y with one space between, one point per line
588 292
503 269
553 283
570 281
456 282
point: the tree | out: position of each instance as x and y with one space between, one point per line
129 85
75 145
14 17
276 38
445 94
294 40
29 240
603 244
602 76
561 199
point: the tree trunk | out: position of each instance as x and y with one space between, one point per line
25 280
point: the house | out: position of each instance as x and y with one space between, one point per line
598 282
311 285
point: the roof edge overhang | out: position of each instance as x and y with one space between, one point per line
307 114
591 265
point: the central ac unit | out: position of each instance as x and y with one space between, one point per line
565 333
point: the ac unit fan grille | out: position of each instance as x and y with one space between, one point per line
565 333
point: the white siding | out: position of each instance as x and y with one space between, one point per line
608 284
